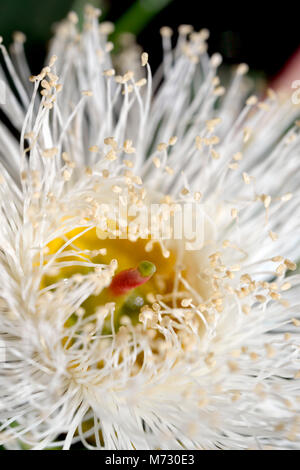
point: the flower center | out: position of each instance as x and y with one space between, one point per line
141 274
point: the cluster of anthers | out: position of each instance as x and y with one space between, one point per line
116 338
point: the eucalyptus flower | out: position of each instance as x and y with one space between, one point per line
113 334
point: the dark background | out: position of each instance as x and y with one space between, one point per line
262 34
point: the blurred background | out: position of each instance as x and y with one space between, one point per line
249 32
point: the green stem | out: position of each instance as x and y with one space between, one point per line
138 16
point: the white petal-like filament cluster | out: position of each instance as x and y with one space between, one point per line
213 362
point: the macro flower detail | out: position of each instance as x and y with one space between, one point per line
119 334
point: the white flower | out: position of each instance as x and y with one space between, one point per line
212 359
